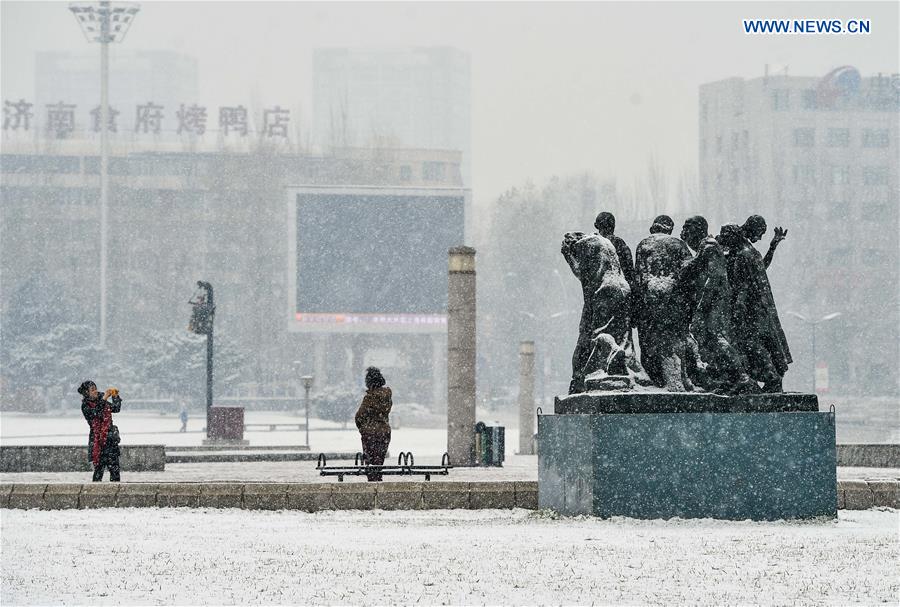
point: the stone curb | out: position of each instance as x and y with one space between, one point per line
314 497
492 495
222 495
137 495
99 495
178 495
62 496
400 496
27 496
885 493
857 495
5 490
265 496
353 496
309 497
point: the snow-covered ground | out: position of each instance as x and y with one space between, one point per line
182 556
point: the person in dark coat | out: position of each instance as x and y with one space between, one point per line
372 420
103 439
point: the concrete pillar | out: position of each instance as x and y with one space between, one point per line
526 398
461 357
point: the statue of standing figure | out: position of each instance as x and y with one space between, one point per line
704 280
758 331
704 319
605 319
661 309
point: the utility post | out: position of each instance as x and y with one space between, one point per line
104 23
202 323
461 357
307 384
526 398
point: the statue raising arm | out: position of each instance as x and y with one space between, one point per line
780 234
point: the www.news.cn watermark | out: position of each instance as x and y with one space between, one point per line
808 26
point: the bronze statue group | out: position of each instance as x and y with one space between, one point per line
701 306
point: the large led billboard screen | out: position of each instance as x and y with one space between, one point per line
374 256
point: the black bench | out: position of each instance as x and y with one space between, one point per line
406 466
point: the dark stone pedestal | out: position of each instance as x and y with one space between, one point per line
760 466
683 402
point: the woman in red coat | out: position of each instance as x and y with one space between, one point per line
372 420
103 440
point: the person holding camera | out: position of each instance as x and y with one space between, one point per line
372 421
103 440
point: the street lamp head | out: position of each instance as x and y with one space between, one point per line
307 381
103 21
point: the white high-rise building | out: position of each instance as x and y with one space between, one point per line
818 156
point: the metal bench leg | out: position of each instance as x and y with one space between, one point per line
340 478
427 477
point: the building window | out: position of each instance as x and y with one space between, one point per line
735 176
718 144
804 138
804 173
840 175
781 99
874 210
839 209
810 99
704 111
433 171
875 138
839 257
703 148
735 140
405 172
837 138
875 175
875 258
746 138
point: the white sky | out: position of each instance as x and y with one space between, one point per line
556 88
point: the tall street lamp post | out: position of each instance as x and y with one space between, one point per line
101 22
307 384
812 323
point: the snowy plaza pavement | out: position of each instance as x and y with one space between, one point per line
181 556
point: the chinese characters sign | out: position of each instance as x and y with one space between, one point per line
61 120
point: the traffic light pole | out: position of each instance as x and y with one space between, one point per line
209 376
210 302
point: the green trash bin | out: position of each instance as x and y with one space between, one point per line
490 447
